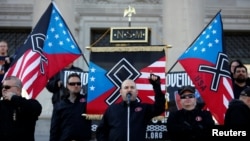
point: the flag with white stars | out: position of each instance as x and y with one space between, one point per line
49 48
207 65
109 69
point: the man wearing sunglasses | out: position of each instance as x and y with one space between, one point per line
190 122
18 115
67 122
57 83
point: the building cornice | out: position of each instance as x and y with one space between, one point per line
16 15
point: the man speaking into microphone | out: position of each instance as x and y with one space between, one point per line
114 124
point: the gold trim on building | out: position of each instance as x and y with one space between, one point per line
127 49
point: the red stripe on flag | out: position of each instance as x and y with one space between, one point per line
26 68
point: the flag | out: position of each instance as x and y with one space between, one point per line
48 49
207 65
109 69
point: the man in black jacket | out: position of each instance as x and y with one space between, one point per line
191 122
237 116
18 115
114 127
240 80
67 122
5 60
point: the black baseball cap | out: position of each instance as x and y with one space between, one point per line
246 92
186 88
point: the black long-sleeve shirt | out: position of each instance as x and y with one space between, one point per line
18 118
67 122
191 125
237 115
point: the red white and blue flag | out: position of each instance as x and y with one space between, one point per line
109 69
48 49
207 65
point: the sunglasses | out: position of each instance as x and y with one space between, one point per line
187 96
7 87
75 83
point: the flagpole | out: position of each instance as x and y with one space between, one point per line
85 60
77 45
195 39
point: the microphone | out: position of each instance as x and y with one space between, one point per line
128 98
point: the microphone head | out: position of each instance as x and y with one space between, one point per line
128 98
129 94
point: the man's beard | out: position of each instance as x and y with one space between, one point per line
240 80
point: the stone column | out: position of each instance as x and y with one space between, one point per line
39 8
183 20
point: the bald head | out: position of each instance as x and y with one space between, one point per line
128 86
